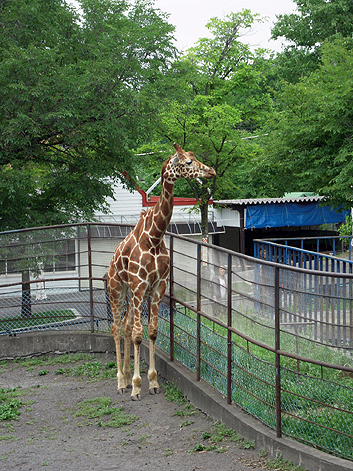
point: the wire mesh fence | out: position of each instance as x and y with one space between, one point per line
275 340
270 338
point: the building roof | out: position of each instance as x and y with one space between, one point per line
294 210
258 201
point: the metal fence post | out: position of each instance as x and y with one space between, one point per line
171 298
198 333
229 333
89 250
278 357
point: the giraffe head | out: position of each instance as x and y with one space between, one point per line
184 165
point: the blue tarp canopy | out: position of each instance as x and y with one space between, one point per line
291 214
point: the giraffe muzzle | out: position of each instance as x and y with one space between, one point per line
209 173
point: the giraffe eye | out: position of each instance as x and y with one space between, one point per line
189 162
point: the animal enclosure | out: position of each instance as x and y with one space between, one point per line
263 345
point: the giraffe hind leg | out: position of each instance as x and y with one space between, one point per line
127 330
137 299
117 294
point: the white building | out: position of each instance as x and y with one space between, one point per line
127 206
69 259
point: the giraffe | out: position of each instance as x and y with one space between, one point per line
140 266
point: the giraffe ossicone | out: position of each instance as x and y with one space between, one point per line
140 267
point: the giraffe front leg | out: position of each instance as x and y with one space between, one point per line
136 379
126 368
116 332
152 373
117 293
137 335
152 335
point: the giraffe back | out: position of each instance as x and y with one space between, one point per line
138 258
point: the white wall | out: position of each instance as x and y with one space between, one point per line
127 204
228 217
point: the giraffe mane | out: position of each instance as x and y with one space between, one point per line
164 165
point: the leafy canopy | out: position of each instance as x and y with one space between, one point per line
306 30
74 91
310 143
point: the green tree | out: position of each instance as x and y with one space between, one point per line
74 94
310 143
306 30
218 101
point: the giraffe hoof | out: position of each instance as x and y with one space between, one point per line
154 391
136 397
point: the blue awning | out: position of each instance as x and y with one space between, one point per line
291 214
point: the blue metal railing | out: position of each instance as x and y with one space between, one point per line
286 252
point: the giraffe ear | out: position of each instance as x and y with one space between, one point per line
178 149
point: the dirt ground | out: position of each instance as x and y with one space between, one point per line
51 434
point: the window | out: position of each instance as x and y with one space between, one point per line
65 258
8 265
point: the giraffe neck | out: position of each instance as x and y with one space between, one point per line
162 213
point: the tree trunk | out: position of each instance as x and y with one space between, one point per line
204 218
26 310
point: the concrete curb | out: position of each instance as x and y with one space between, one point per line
200 394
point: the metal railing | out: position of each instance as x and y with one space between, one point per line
276 339
294 251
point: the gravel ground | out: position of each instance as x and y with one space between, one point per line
56 430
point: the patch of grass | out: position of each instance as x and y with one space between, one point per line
67 358
95 370
90 369
8 437
10 410
186 423
200 447
119 419
174 394
94 408
43 372
63 371
6 455
186 412
9 404
102 407
221 433
41 318
279 464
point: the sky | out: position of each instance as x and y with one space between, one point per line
190 17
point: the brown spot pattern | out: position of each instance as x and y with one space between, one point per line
140 266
